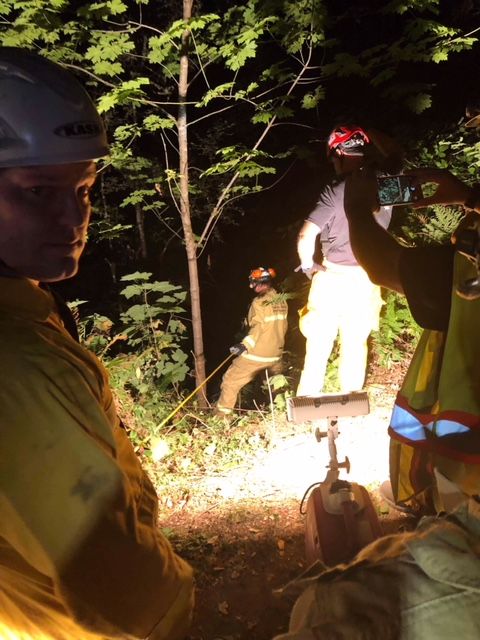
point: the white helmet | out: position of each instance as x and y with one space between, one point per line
46 116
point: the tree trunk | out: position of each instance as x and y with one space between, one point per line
190 243
139 216
140 219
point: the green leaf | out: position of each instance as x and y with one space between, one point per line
138 275
137 197
262 117
154 123
419 102
164 287
278 381
311 100
219 91
124 93
126 132
105 54
132 290
138 313
109 232
440 55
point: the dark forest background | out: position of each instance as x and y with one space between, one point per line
278 71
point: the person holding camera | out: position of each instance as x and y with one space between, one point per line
342 299
435 424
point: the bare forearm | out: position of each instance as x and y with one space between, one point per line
306 243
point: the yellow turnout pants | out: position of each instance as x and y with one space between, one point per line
412 472
342 300
239 373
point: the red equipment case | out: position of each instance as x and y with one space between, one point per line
340 519
340 516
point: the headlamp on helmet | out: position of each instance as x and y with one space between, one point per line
261 275
347 141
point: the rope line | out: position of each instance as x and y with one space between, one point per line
196 390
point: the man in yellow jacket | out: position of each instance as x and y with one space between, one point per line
263 346
81 557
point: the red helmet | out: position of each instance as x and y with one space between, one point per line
347 140
261 275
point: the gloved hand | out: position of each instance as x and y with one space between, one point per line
310 270
237 349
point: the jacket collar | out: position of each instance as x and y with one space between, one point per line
25 299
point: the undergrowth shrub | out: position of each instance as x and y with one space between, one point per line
155 332
398 332
142 351
434 225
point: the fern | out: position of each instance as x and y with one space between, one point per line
431 226
398 332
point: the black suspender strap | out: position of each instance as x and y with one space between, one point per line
64 312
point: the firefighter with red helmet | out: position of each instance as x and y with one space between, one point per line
342 300
262 347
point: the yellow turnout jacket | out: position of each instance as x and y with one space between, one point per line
267 322
436 418
81 557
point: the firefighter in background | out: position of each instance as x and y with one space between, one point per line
342 299
263 346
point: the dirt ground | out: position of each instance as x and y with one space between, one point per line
243 532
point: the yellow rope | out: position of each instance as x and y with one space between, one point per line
170 415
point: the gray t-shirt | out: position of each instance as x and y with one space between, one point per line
329 216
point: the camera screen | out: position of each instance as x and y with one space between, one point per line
397 190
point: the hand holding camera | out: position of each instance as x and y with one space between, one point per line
398 189
407 189
450 189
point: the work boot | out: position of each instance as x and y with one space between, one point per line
223 412
387 494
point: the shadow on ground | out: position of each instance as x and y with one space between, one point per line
235 592
241 556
